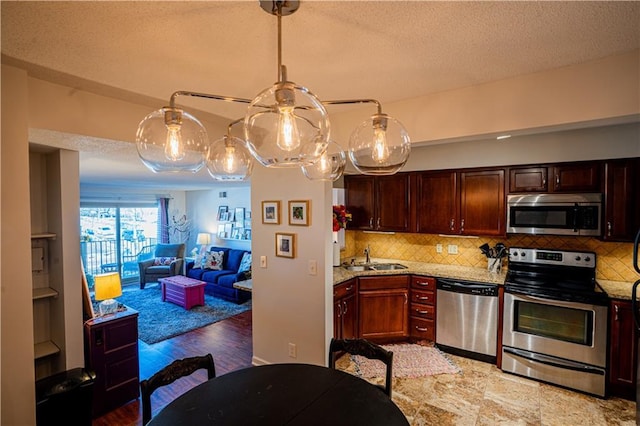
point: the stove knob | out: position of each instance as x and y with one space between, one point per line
523 254
577 258
587 259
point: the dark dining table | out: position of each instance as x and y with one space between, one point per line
282 394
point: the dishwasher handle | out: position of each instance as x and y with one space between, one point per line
467 287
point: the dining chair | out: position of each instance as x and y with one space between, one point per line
169 374
364 348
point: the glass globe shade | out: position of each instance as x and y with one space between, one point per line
228 159
286 126
171 140
330 165
380 145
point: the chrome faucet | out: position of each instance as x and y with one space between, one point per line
367 254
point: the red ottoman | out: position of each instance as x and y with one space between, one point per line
183 291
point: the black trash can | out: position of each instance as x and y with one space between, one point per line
65 398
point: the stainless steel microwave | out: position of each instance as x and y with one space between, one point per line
554 214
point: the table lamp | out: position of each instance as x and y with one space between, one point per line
203 239
107 286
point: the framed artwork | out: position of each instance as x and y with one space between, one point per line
239 217
285 245
221 211
221 232
299 212
271 212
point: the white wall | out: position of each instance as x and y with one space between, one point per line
289 305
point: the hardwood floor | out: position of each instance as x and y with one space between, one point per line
229 342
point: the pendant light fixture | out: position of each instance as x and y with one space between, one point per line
285 126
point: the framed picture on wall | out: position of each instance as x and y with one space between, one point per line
285 245
271 212
299 212
221 211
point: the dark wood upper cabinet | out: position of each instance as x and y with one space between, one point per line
564 177
461 203
380 203
620 216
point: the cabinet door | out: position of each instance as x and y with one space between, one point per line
359 198
437 211
619 200
349 317
576 177
528 179
482 209
623 350
392 203
384 314
337 319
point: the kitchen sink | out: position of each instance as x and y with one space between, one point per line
375 267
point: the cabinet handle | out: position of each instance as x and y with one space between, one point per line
421 312
406 299
422 283
349 288
557 181
452 224
418 297
544 182
345 308
617 310
462 225
378 224
370 222
609 227
422 329
339 309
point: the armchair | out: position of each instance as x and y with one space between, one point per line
151 270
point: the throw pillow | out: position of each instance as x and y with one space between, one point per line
198 261
213 260
245 263
163 261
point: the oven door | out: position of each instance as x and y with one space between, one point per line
568 330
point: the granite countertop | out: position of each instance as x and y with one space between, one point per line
341 274
615 289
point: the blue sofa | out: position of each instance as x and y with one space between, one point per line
220 282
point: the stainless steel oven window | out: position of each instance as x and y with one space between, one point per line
554 322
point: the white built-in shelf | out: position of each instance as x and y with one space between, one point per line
42 235
43 293
45 349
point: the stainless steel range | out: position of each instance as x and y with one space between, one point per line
555 319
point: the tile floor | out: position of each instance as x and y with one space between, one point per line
484 395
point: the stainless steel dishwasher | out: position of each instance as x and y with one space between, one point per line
467 318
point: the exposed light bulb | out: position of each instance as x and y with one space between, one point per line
324 163
229 163
380 147
173 147
288 137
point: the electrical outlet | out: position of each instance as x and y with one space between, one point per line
292 350
438 248
313 267
263 261
452 249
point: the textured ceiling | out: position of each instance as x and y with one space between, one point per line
351 49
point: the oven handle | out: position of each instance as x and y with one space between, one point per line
550 302
552 361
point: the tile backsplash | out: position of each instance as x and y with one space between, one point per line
613 259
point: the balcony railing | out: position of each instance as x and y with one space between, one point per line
102 256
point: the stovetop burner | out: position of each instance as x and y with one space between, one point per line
554 274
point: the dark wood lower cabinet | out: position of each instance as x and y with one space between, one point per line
383 307
622 350
422 313
111 351
345 310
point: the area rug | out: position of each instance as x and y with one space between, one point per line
409 360
158 320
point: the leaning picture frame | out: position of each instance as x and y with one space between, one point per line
285 245
299 212
271 212
221 211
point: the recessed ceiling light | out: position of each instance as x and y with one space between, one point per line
503 137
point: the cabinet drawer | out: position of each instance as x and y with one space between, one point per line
344 289
423 283
423 297
422 311
383 283
423 328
